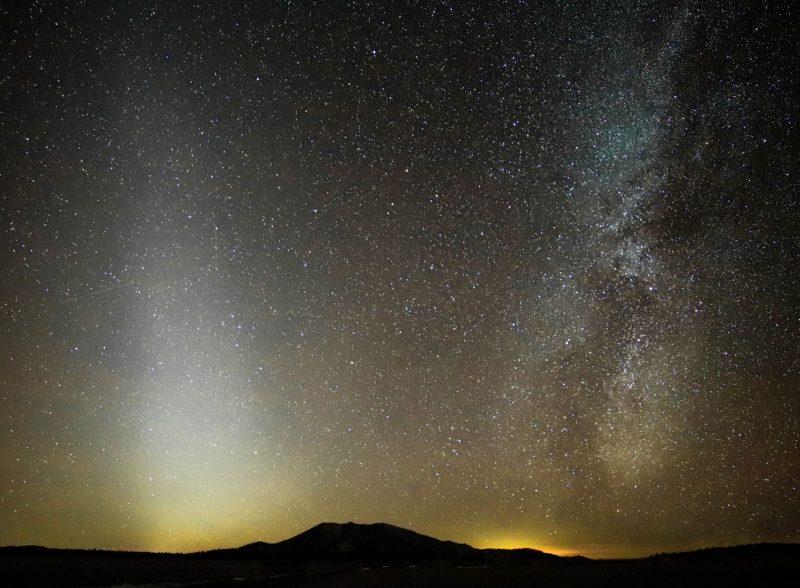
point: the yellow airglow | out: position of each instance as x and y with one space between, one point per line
520 541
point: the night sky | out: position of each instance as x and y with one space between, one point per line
520 274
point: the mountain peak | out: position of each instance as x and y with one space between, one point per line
373 541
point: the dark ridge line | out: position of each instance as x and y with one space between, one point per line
320 541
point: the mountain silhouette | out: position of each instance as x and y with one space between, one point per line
333 554
365 542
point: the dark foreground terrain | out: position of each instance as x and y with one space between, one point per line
385 556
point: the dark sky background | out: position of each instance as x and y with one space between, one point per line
519 274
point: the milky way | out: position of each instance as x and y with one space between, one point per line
518 275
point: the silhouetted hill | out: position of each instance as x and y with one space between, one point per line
333 554
736 551
525 555
257 549
38 550
380 542
358 542
371 543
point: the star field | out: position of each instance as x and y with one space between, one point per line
512 275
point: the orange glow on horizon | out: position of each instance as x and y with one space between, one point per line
592 551
504 541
